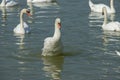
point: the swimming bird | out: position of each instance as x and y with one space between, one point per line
53 45
111 26
98 7
8 3
22 28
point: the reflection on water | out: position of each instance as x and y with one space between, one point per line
41 5
53 67
111 40
45 5
4 15
95 19
111 33
5 12
110 36
94 15
112 17
3 9
20 40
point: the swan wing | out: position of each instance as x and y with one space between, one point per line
27 28
18 28
48 42
98 7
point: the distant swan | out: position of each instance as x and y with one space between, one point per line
8 3
53 45
118 53
98 7
36 1
111 26
22 28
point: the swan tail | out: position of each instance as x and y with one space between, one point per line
91 4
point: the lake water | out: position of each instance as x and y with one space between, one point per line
89 52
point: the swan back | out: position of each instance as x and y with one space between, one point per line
98 7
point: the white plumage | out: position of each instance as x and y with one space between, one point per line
98 7
8 3
111 26
22 28
53 45
39 1
18 30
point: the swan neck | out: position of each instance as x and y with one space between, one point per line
105 17
112 5
3 3
57 33
21 19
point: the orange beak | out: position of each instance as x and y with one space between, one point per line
28 13
59 25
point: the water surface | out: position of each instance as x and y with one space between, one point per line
89 52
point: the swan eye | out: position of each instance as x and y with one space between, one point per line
28 11
102 13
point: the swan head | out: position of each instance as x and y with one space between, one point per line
26 11
58 23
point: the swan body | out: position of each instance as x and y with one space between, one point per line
98 7
8 3
53 45
22 28
37 1
111 26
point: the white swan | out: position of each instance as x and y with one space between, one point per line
37 1
98 7
111 26
22 28
53 45
8 3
